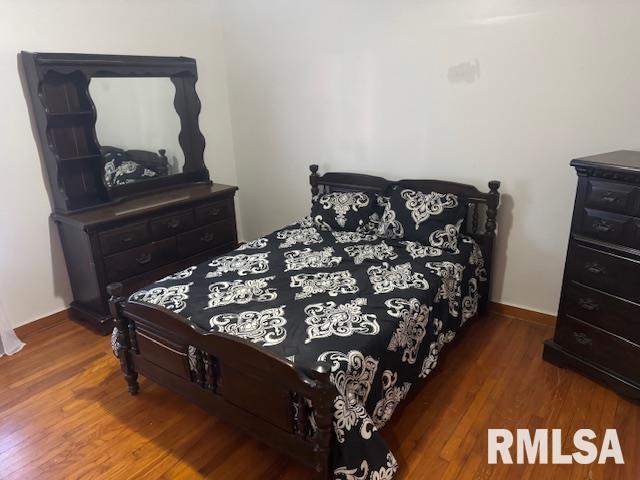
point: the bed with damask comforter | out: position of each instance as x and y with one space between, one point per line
378 310
310 337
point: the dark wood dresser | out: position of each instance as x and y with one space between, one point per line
141 240
124 213
598 328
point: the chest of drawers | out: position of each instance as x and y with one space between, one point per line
598 328
141 240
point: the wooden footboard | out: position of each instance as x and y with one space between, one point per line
287 406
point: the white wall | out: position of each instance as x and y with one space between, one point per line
33 277
455 89
461 90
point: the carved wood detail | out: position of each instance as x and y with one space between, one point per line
204 368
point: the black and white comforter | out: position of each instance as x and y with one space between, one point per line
378 310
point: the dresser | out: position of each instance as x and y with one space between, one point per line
598 327
132 197
142 240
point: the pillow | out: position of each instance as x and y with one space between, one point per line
343 211
429 218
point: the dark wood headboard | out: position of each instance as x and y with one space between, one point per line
482 208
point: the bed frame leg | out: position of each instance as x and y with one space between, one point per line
323 414
123 338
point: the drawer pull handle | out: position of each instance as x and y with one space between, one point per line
173 223
602 226
207 237
214 212
594 268
609 197
126 238
144 258
582 338
588 304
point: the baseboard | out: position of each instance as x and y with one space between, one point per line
44 323
522 314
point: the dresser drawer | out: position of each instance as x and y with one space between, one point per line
612 196
173 224
610 227
214 211
138 260
598 346
605 311
203 238
122 238
607 272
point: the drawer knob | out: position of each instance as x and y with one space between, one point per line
143 258
207 237
609 197
602 226
126 238
588 304
214 212
594 268
173 223
582 338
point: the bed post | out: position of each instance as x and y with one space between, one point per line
313 179
323 415
164 160
124 339
490 232
492 207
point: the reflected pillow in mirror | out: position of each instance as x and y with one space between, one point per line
119 169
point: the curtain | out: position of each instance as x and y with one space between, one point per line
9 343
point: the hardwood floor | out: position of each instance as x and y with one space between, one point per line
65 414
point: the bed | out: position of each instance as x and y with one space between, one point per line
128 166
308 338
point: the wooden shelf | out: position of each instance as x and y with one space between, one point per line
70 119
79 158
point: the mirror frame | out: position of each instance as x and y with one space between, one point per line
40 68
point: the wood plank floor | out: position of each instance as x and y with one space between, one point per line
65 414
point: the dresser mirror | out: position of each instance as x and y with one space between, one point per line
137 128
114 126
131 196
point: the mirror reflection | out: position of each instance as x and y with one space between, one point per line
137 127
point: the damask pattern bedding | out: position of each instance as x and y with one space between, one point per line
378 309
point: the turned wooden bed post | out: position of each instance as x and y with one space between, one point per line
313 180
490 231
124 340
492 208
